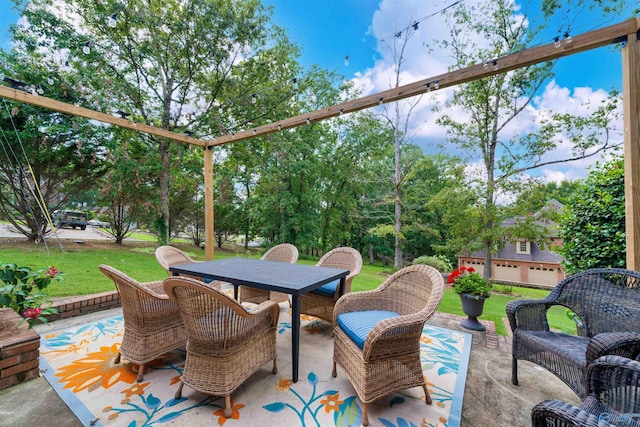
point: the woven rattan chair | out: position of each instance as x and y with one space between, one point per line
606 303
226 344
284 252
377 333
613 399
320 302
168 256
152 324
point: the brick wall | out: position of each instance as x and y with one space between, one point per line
76 306
19 350
20 346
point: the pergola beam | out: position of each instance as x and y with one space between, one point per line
524 58
631 111
63 107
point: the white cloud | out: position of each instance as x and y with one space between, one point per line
424 59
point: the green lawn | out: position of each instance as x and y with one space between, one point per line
79 262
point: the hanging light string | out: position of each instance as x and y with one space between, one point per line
415 25
252 97
38 198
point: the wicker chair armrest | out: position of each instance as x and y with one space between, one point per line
557 413
611 372
626 344
391 332
155 289
529 315
266 309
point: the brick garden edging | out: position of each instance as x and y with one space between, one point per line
19 350
20 346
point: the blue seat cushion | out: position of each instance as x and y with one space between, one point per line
358 324
329 289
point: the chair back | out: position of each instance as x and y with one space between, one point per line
284 252
605 299
615 381
137 308
416 289
168 256
345 258
212 319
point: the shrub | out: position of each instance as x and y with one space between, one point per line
22 290
439 262
592 224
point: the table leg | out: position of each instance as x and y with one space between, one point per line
295 335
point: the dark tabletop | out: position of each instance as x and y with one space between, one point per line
277 276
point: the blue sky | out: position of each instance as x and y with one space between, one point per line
328 30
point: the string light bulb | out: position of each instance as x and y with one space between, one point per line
415 26
428 85
254 98
50 80
86 49
436 84
255 132
567 38
485 65
308 121
341 111
556 42
399 34
279 127
113 20
495 64
346 61
39 90
380 101
295 83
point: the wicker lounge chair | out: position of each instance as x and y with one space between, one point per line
320 302
284 252
168 256
377 333
613 398
226 344
152 324
606 303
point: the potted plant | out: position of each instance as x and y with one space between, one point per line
473 290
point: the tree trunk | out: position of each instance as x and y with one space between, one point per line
163 185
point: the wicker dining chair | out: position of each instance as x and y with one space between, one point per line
613 398
284 252
377 333
168 256
226 343
606 304
152 324
320 302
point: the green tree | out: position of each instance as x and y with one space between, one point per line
592 225
127 190
494 103
48 159
174 65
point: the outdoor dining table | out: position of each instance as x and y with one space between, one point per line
293 279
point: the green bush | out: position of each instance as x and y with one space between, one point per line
439 262
592 225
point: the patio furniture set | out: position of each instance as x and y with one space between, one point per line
228 339
376 333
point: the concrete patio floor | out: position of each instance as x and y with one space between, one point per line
490 399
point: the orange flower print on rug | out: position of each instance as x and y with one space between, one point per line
96 370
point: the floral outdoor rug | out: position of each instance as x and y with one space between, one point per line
79 364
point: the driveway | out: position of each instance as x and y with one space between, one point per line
91 233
